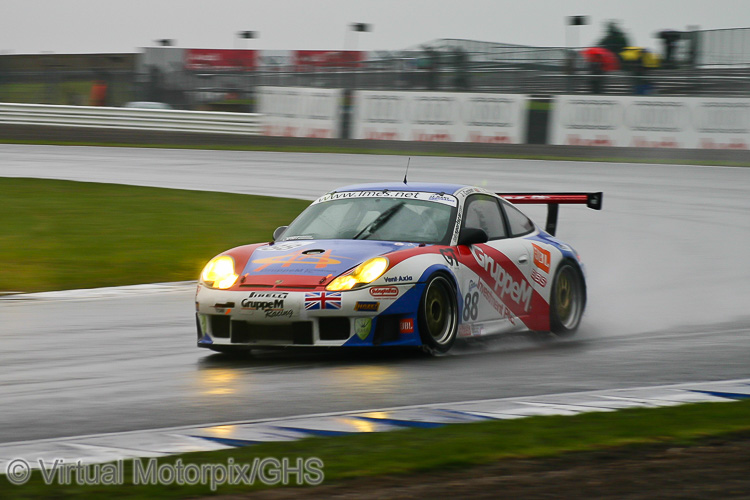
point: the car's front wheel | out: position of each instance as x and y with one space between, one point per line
438 315
568 299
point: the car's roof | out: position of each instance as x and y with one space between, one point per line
425 187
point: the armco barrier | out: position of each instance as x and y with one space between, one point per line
130 119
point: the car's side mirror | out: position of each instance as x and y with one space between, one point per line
472 236
278 232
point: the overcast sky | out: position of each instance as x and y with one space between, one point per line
90 26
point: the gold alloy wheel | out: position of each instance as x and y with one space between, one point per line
440 310
568 297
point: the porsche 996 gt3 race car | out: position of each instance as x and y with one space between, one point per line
397 265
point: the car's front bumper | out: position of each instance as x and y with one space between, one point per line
371 316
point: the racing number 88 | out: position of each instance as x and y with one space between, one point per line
471 306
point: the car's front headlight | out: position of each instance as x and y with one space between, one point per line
366 272
219 272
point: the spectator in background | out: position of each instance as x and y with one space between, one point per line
692 36
571 67
669 39
596 75
411 71
430 64
423 67
461 80
615 40
570 62
98 96
154 85
643 84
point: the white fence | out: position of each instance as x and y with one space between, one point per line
300 112
131 118
651 122
440 116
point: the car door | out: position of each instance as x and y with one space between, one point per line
496 293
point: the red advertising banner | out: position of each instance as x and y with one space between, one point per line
328 58
221 59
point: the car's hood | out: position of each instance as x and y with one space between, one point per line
315 257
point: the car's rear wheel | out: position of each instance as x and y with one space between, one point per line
438 315
568 299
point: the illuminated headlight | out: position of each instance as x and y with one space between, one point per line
219 272
366 272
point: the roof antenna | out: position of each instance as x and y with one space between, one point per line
407 169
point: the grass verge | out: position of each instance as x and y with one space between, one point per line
59 235
449 447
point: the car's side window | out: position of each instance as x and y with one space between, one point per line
483 212
519 223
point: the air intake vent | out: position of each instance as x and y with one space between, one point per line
298 333
219 326
334 328
386 329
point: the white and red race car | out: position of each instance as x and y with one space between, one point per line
396 265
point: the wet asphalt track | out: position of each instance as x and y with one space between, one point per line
668 279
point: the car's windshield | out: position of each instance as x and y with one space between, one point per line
377 218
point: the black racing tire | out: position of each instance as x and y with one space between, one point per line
567 300
438 315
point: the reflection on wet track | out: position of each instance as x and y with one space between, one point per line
667 285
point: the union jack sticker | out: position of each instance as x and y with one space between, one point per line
322 300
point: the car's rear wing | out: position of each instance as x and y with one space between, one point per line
553 201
